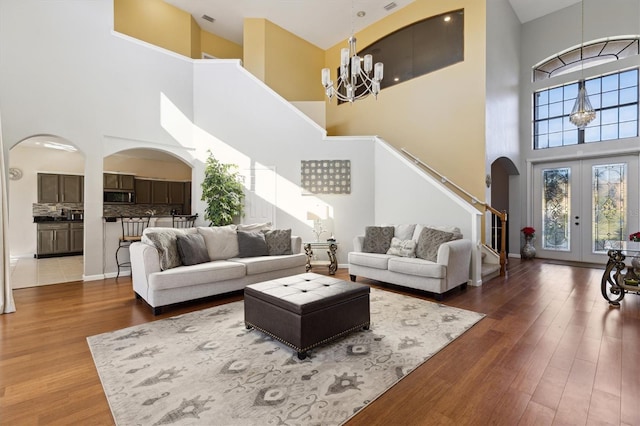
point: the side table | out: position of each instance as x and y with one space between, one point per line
330 246
620 278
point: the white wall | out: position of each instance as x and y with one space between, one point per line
547 36
503 70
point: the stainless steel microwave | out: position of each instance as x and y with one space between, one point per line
119 197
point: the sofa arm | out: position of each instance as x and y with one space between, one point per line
358 242
456 256
296 244
145 260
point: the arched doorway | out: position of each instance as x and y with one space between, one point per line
501 169
45 211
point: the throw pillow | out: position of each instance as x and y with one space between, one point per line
164 241
221 241
429 241
252 244
278 241
377 239
192 249
404 248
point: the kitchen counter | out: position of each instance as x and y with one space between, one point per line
41 219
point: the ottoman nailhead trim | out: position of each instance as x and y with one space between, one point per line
328 339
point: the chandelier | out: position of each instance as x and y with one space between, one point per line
582 113
355 80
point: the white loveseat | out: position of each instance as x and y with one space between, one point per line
448 268
161 279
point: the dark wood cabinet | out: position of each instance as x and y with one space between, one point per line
159 192
53 238
119 182
176 192
60 238
48 188
55 188
76 237
143 191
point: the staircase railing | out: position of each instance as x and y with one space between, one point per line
497 241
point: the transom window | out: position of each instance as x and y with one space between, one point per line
614 98
587 56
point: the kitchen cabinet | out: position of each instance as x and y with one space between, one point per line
76 237
143 191
159 192
119 182
55 188
176 192
60 238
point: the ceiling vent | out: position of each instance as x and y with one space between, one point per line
208 18
390 6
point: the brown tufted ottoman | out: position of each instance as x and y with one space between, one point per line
306 310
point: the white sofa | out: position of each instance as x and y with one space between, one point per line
223 272
450 269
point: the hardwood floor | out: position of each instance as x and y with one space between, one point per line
550 351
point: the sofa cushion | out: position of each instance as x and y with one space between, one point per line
372 260
203 273
403 232
403 248
164 240
429 241
418 267
221 241
278 241
251 244
192 249
261 264
254 227
377 239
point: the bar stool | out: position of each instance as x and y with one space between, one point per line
184 220
132 228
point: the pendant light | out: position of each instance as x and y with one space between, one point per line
582 113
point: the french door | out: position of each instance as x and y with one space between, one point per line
583 208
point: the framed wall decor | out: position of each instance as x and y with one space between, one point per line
325 176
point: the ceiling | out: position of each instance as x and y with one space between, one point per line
321 22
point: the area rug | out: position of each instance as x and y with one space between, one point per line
206 368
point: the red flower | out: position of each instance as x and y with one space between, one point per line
635 236
528 231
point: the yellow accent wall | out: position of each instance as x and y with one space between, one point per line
219 47
194 34
167 26
439 117
288 64
155 22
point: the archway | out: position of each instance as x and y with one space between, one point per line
501 169
41 252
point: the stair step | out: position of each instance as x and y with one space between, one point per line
490 270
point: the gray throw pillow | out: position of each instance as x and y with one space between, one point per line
377 239
252 244
192 249
278 241
429 241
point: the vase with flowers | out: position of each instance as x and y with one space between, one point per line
528 251
635 237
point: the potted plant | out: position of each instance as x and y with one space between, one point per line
222 191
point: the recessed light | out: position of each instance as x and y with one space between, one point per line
396 79
447 18
361 14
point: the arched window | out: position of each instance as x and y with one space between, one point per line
613 96
588 55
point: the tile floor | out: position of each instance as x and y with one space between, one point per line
30 272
